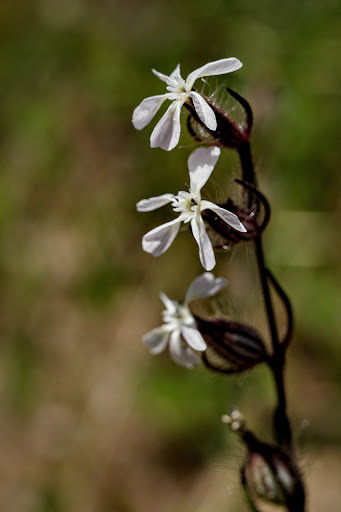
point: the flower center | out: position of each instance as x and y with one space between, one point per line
187 204
178 87
181 316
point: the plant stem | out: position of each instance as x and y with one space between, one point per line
281 422
247 163
282 427
266 294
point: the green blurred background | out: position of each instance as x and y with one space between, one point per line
90 422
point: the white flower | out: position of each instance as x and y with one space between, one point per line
179 329
166 133
189 205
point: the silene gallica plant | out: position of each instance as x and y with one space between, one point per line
270 473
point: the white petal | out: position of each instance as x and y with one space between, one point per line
147 205
169 304
146 110
203 286
206 252
201 164
156 340
193 338
161 76
218 67
166 133
229 217
159 239
180 353
204 111
176 75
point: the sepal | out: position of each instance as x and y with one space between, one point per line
254 214
231 347
227 133
270 475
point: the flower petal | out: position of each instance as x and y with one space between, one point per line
229 217
166 133
193 337
147 205
161 76
204 111
203 286
206 252
146 110
159 239
169 304
218 67
180 353
201 164
156 340
176 75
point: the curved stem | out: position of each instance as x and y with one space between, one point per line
281 422
266 294
282 426
287 305
247 163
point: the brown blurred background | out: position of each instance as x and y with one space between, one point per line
90 422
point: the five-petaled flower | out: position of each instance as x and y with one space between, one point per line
166 133
179 330
189 205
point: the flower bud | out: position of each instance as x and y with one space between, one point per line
231 346
270 475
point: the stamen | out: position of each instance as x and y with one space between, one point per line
235 420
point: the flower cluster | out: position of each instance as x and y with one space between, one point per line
179 330
223 345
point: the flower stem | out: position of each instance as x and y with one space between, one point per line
247 163
266 293
281 423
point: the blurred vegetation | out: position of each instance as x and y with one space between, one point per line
90 421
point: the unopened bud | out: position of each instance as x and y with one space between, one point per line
270 475
231 347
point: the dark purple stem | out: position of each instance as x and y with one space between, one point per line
247 164
281 422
